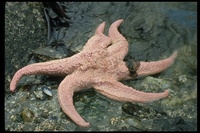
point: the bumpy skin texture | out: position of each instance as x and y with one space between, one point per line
100 66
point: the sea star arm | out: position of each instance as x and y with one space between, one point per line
118 91
59 67
153 67
100 29
71 83
99 40
119 47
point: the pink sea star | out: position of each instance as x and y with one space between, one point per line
100 66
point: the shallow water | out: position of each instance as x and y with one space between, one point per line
154 30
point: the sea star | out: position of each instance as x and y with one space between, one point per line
100 66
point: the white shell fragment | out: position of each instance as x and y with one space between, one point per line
47 91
